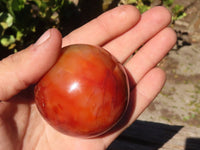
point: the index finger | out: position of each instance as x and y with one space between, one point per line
105 27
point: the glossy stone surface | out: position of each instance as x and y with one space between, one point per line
85 93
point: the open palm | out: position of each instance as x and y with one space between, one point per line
121 31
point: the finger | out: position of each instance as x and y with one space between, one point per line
20 70
143 94
146 90
105 27
151 22
151 53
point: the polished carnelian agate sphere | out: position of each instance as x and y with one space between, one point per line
85 93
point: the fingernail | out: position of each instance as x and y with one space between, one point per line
43 38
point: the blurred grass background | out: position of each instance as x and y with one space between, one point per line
23 21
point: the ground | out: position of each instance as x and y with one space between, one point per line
179 101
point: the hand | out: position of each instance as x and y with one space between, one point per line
121 31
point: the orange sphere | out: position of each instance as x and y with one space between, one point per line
85 93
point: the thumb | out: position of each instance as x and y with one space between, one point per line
26 67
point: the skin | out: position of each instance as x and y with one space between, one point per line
22 127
